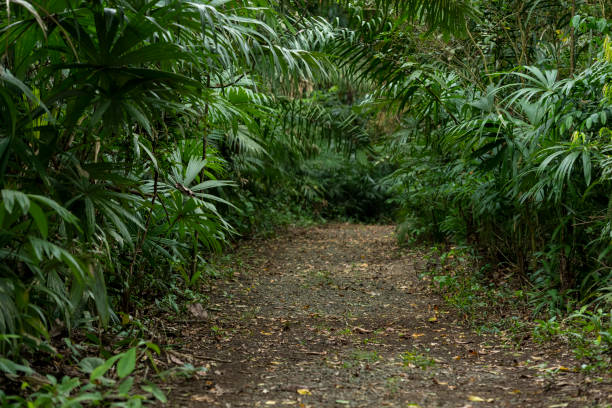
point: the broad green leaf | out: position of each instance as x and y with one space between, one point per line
89 364
40 219
127 363
153 347
12 197
103 368
10 367
126 386
61 211
155 391
6 76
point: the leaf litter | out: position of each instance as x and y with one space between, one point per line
336 315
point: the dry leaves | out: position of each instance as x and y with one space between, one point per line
202 398
198 311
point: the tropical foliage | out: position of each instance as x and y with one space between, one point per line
515 161
139 137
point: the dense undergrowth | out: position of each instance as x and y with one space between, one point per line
515 163
504 147
494 301
138 138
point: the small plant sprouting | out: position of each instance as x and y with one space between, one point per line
416 359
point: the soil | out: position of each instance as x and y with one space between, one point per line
337 316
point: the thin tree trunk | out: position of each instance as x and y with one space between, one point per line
127 294
206 128
194 262
572 41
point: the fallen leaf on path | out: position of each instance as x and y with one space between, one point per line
562 368
270 402
433 319
218 390
343 402
202 398
475 398
175 359
197 310
361 330
565 404
304 391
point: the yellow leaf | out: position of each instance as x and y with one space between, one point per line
474 398
125 318
270 402
563 368
304 391
433 319
266 333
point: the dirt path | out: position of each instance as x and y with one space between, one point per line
336 316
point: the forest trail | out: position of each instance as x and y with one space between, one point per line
337 316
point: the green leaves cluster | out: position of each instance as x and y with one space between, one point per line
514 162
104 384
118 121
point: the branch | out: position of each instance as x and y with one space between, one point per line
227 85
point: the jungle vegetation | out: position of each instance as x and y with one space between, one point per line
140 137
